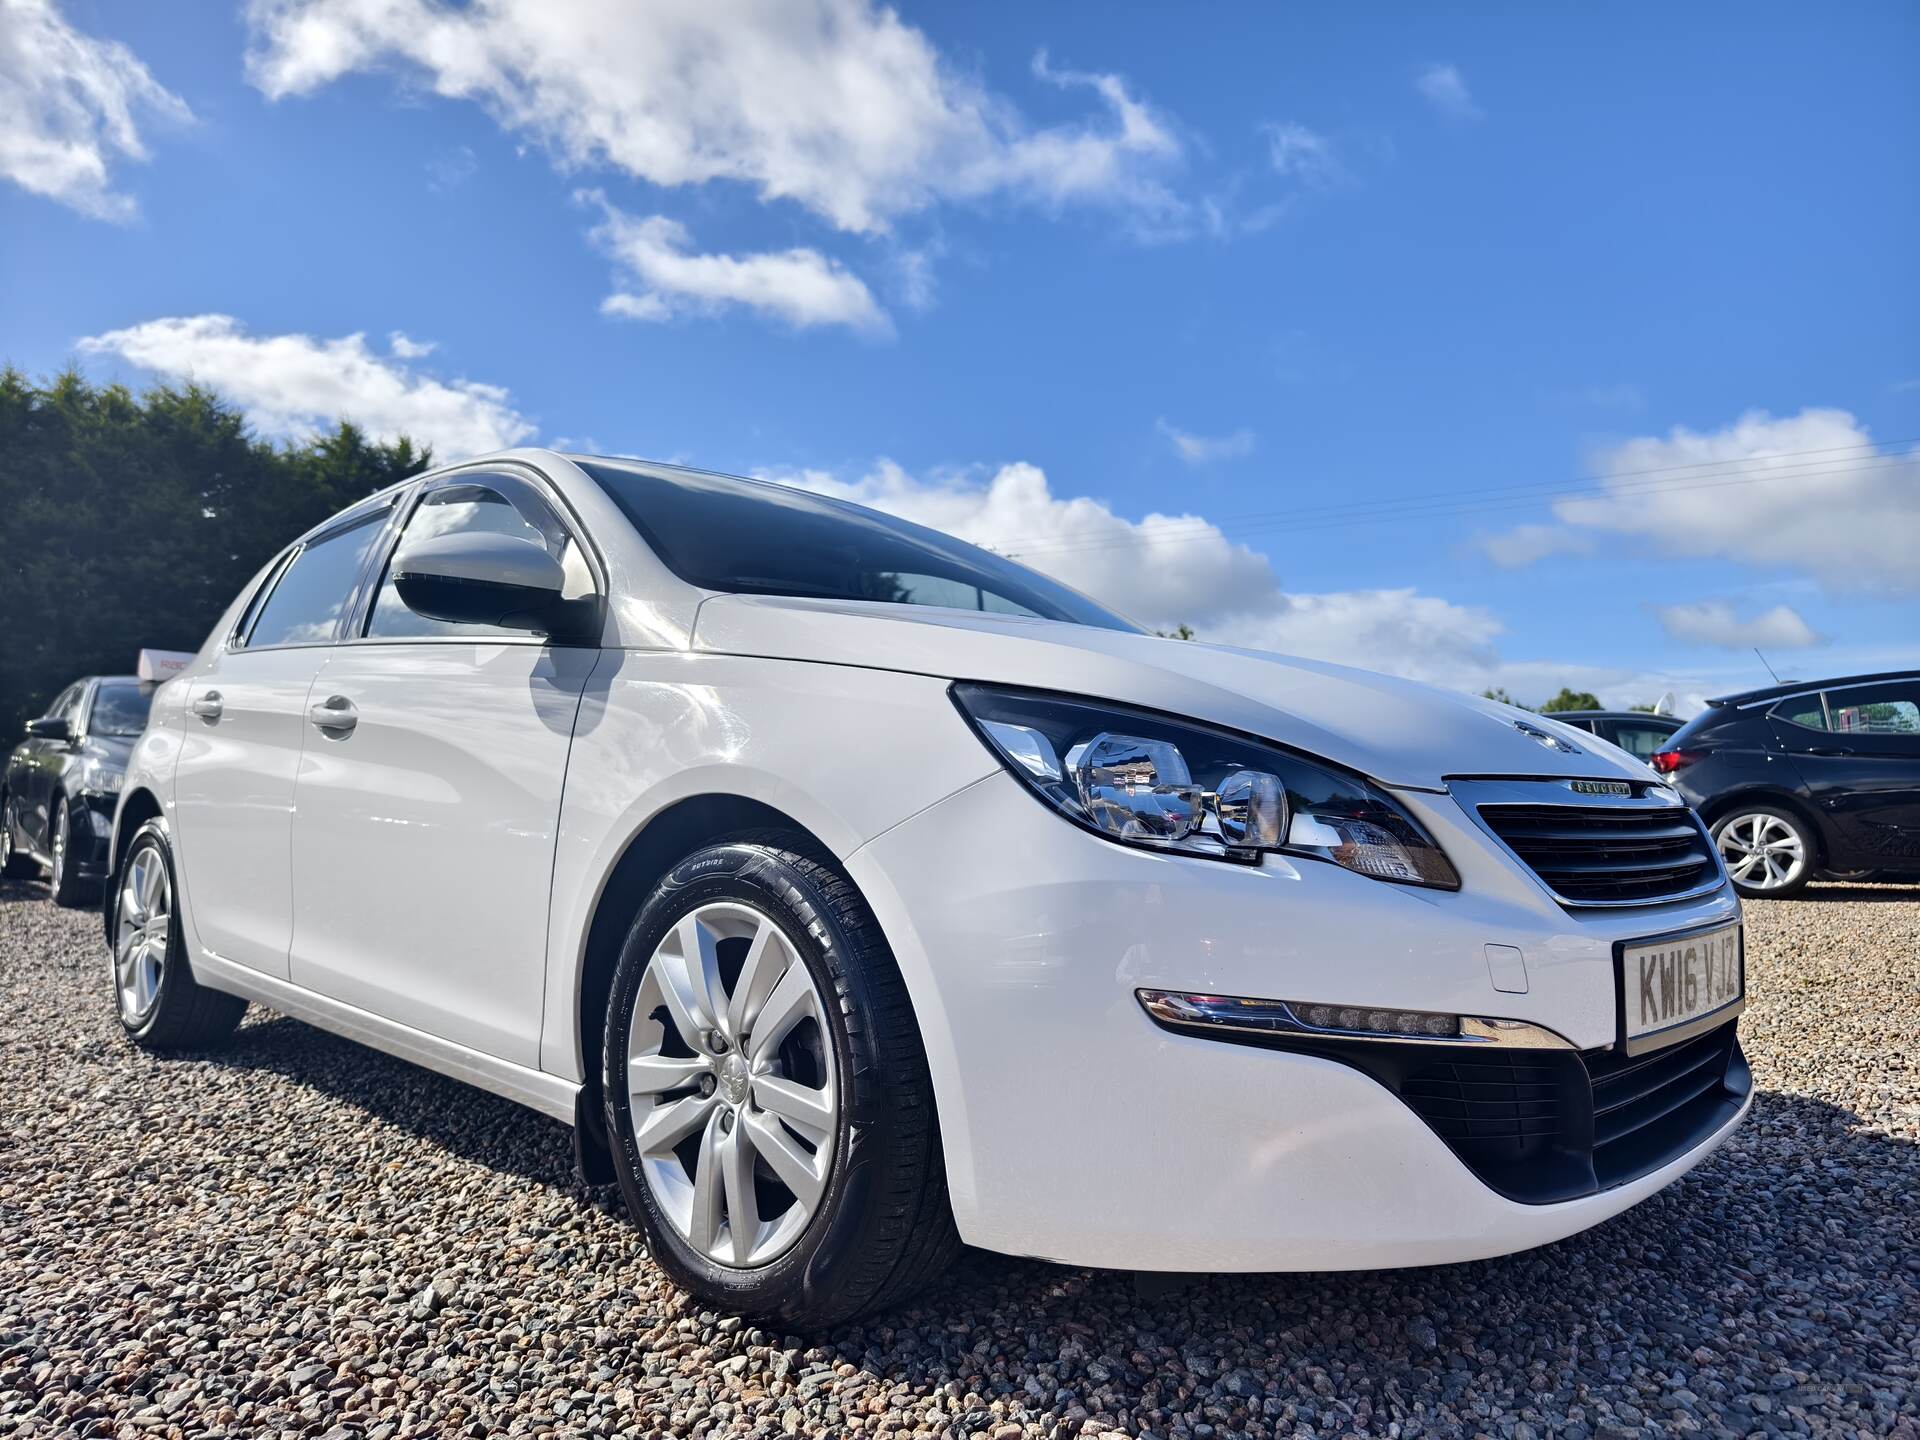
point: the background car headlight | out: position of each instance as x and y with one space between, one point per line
1142 779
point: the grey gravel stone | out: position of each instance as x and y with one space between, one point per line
300 1237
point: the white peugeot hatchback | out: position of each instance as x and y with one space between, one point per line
855 893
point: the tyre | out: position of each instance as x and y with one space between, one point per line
767 1093
68 888
161 1005
1770 852
15 864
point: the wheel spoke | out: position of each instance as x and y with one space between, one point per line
791 1001
132 908
792 1164
133 942
704 1223
677 991
657 1074
765 963
665 1126
809 1108
151 882
699 950
743 1206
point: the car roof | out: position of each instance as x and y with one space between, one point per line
1803 687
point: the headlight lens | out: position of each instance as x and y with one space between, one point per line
1168 785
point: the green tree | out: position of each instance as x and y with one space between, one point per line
1572 700
1499 694
132 520
1183 632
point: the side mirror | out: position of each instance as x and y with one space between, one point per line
482 578
51 727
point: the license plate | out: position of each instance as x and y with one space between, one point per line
1673 985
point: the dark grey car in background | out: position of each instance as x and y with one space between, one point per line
63 781
1638 732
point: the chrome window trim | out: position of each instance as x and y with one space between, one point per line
1824 690
1471 793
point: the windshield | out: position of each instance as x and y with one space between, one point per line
120 708
747 536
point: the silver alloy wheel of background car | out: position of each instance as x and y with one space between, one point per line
730 1074
142 934
1761 850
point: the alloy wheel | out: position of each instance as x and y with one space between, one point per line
59 844
1761 851
143 933
6 836
731 1080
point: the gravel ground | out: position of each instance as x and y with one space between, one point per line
301 1237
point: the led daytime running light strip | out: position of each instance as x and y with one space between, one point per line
1200 1014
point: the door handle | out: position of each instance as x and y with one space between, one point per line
1836 751
335 715
207 706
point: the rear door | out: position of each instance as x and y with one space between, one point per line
429 795
246 726
1857 748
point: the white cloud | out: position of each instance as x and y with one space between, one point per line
69 103
837 105
800 286
1446 90
1168 570
1713 622
1201 449
1810 493
292 385
1525 545
405 347
1304 155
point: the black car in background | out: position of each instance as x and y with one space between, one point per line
1816 777
1638 732
63 781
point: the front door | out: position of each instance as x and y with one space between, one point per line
429 798
246 726
1858 750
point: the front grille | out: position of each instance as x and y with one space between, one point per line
1597 855
1511 1115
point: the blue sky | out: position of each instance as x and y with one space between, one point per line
1509 345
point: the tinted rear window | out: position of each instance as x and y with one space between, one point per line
748 537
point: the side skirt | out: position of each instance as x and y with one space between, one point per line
549 1094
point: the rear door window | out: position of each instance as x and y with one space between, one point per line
1639 738
316 588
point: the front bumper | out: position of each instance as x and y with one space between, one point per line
1078 1130
91 835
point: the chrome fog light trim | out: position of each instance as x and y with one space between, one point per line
1242 1015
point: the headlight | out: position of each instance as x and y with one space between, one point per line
101 781
1140 779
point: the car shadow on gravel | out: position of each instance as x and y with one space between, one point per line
498 1134
1780 1268
1794 1231
1852 892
